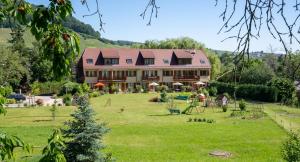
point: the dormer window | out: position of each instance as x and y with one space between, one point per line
166 61
89 61
202 61
149 61
129 61
184 61
111 61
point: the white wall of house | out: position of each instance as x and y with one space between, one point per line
167 79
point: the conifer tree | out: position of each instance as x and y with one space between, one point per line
84 134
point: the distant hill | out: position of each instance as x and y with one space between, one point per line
85 40
86 30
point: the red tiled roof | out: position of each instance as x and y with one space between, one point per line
162 58
110 53
183 54
147 54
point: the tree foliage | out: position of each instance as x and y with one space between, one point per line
84 135
60 45
11 68
53 152
290 150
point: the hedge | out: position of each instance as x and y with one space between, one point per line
248 91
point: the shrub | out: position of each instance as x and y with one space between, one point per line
290 150
186 88
67 99
138 88
11 101
114 89
154 99
224 108
71 87
94 93
242 105
286 89
213 91
163 96
5 91
248 91
38 88
39 102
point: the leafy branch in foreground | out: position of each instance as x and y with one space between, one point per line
60 45
53 152
9 143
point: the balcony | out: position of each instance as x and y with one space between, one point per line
186 78
150 78
112 78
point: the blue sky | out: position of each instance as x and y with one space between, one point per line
198 19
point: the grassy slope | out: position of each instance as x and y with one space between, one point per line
84 43
145 131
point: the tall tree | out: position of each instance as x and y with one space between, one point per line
84 135
11 68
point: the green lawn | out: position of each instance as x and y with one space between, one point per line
145 131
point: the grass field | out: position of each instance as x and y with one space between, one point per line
145 131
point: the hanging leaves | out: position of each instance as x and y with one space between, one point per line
54 150
60 45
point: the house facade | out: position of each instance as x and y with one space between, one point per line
126 68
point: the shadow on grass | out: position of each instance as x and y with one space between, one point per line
34 117
45 120
163 115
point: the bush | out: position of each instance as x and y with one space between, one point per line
67 99
114 89
163 96
213 91
286 89
224 108
186 88
138 88
38 88
5 91
11 101
94 93
290 150
248 91
39 102
72 87
242 105
154 99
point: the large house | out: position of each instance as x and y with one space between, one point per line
127 67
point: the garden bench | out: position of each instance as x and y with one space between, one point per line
174 111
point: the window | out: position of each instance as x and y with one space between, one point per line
114 61
89 61
129 61
184 61
204 73
131 73
166 61
91 73
149 61
202 61
167 73
150 73
111 61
